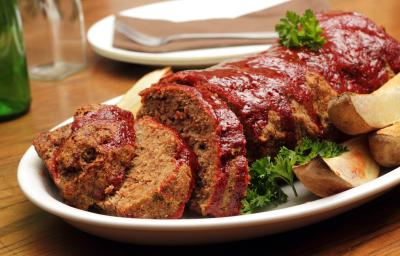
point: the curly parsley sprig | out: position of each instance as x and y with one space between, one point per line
300 31
265 172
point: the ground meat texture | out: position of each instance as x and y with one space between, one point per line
274 115
90 163
216 137
46 143
161 179
105 162
281 95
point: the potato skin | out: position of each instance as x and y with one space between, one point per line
320 179
385 148
344 116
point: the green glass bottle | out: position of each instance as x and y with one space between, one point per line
14 83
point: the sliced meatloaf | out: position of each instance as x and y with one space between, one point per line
47 143
103 161
161 178
274 110
90 163
216 137
281 95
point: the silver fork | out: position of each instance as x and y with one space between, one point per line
148 40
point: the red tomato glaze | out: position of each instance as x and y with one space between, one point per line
354 59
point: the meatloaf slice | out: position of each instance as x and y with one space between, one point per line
104 161
215 134
273 109
47 143
88 159
161 179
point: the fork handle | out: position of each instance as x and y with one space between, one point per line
241 35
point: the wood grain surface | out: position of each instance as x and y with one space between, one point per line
373 229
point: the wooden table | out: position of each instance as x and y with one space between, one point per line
373 229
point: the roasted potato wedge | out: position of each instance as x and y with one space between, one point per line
361 113
385 145
131 100
328 176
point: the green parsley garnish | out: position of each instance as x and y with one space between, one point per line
300 31
264 190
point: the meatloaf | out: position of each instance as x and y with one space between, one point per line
89 161
161 178
215 134
281 95
104 161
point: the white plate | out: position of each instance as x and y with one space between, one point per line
100 35
297 212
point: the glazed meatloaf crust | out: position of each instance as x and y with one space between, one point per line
104 161
216 137
281 95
